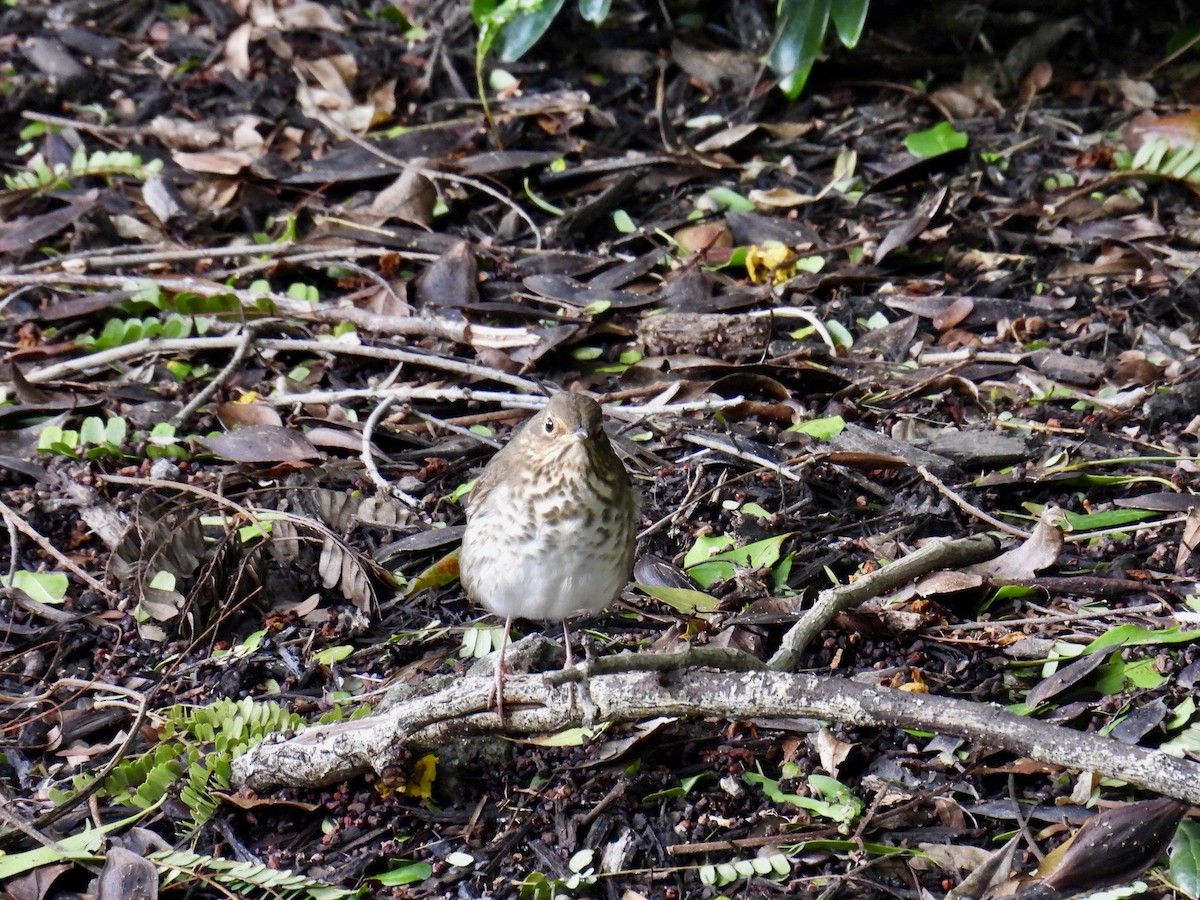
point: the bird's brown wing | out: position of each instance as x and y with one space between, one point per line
488 478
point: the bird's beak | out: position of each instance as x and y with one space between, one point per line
580 433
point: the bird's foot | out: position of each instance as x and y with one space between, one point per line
495 698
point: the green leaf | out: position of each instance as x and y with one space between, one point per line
684 600
730 199
82 846
1136 635
823 429
681 790
331 655
462 490
304 292
163 581
758 555
115 430
1185 858
594 11
406 873
1116 675
92 430
941 138
849 16
41 587
526 29
840 804
841 336
706 546
799 33
1110 518
623 223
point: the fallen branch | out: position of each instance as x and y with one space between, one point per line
948 554
331 753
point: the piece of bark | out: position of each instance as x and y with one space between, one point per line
668 334
1071 369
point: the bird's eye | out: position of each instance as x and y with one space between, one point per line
549 425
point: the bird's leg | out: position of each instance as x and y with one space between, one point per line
496 694
566 665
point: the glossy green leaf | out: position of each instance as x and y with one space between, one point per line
730 199
405 873
1137 636
705 547
1185 858
708 567
1109 518
526 29
849 16
822 429
941 138
41 587
799 34
1117 675
594 11
331 655
683 600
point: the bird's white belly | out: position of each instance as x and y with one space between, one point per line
550 575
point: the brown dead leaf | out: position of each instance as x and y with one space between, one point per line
262 444
1039 552
410 198
213 162
1189 540
1114 847
1180 130
232 415
832 751
243 802
1064 679
127 876
697 238
954 314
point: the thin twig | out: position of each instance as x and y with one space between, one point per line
111 257
15 521
711 442
381 484
240 352
147 347
945 554
1051 620
434 326
967 507
459 429
435 175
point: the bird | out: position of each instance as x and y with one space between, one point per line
551 524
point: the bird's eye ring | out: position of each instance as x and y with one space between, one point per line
549 425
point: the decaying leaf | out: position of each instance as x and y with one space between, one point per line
1039 551
1115 846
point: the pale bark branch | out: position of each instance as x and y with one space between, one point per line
327 754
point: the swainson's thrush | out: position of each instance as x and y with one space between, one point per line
550 523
